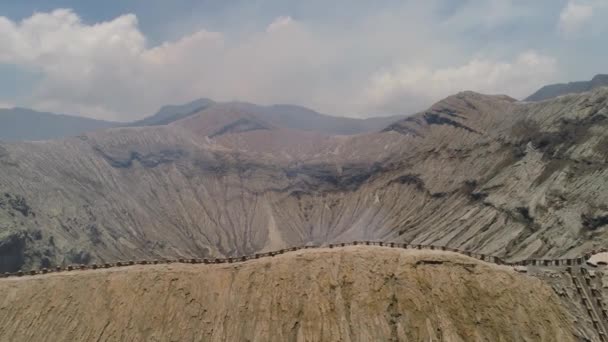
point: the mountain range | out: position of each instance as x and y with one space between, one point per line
19 124
477 172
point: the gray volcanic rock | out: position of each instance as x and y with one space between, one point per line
476 172
12 248
555 90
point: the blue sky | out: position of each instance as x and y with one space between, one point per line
121 60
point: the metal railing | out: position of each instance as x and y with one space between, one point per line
480 256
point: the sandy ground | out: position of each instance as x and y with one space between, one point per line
347 294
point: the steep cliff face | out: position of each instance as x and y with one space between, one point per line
477 172
350 294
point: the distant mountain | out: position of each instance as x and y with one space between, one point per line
168 114
25 124
283 115
20 124
555 90
301 118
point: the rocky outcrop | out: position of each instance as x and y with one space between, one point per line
12 252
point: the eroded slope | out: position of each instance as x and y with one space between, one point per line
349 294
474 172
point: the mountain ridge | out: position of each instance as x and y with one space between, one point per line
170 113
559 89
509 179
17 124
351 294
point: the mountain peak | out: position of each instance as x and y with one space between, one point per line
466 110
171 113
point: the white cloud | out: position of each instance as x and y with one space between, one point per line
574 16
583 16
53 40
108 70
279 23
82 65
414 86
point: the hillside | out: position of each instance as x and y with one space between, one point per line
555 90
476 172
24 124
171 113
349 294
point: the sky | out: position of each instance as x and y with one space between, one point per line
123 60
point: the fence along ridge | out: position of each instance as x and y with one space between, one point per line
483 257
596 316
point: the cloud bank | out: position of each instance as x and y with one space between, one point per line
390 63
407 85
578 15
574 16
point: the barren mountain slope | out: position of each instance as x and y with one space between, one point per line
351 294
477 172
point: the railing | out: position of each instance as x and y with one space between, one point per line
480 256
593 303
